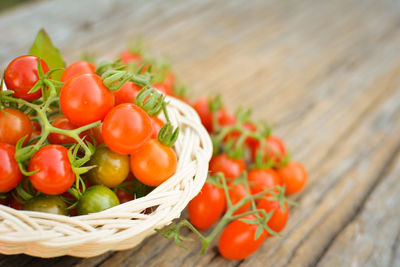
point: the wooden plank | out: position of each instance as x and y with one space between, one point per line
325 73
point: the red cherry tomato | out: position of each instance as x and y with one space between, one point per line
61 139
262 179
207 207
126 128
123 196
21 75
236 193
84 99
10 175
154 163
293 176
279 216
238 239
274 149
15 204
55 174
169 80
163 87
127 93
231 168
203 109
157 124
13 126
77 68
128 57
234 135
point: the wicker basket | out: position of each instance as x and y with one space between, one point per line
121 227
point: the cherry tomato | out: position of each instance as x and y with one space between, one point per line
238 239
207 207
13 126
157 124
274 149
97 134
34 135
97 198
77 68
234 135
203 109
35 125
128 57
279 216
127 93
10 175
48 204
15 204
21 75
231 168
55 174
262 179
123 195
111 168
236 193
61 139
154 163
293 176
126 128
163 87
84 99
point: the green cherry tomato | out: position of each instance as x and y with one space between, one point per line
97 198
111 168
48 204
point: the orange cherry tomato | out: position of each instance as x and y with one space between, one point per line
127 93
293 176
157 125
153 163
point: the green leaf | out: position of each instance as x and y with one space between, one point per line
44 49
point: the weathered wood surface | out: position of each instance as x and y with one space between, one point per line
326 74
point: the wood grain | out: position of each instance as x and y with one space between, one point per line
326 74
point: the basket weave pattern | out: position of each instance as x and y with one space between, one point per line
123 226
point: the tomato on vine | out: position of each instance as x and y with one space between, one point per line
54 173
154 163
207 207
279 216
262 179
95 199
77 68
48 204
231 168
14 125
84 99
293 176
22 74
238 240
157 124
126 128
10 175
128 57
62 139
127 93
237 192
163 87
274 149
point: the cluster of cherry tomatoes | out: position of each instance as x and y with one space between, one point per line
87 141
257 174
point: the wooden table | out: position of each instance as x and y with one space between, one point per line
326 74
